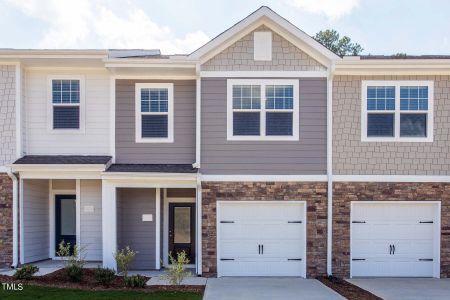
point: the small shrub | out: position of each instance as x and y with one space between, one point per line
104 276
26 272
176 272
74 263
135 281
124 258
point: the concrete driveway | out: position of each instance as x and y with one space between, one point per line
262 288
405 288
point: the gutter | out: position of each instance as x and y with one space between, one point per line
330 170
15 209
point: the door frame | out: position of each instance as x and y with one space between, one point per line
52 218
437 230
168 200
219 203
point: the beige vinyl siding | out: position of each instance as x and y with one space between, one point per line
35 219
181 151
7 114
95 139
91 222
353 157
307 156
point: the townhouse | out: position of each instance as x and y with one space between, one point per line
262 153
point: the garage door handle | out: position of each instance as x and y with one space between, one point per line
390 249
226 259
294 259
294 222
393 248
426 222
226 222
358 259
425 259
262 249
259 249
358 222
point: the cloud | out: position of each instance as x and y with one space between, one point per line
104 24
333 9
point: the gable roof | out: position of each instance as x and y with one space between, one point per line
264 15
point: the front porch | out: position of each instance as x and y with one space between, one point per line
153 214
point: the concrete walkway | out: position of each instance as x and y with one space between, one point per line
48 266
265 288
405 288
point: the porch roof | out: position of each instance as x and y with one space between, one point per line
152 168
63 160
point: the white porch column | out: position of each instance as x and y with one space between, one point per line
109 224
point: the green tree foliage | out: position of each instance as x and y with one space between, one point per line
331 39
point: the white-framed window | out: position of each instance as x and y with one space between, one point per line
154 112
262 109
66 97
398 111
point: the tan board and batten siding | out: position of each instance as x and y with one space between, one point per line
181 151
307 156
353 157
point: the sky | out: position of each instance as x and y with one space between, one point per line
181 26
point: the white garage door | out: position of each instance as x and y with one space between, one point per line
395 239
261 238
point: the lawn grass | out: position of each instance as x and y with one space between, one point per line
31 292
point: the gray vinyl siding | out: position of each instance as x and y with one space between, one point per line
91 222
307 156
181 151
35 220
132 231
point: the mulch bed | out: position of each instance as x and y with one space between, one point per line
348 290
59 279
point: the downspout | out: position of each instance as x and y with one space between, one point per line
198 111
15 209
330 170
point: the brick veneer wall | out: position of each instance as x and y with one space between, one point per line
315 195
285 57
5 220
345 192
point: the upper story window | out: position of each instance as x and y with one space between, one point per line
154 112
67 98
260 109
397 111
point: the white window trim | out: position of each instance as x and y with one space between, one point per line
397 111
263 83
138 113
82 105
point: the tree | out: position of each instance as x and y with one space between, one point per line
331 39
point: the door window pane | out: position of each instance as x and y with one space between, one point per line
68 220
182 225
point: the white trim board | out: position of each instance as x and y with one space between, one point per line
390 178
280 178
264 74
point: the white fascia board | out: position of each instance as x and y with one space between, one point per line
390 178
393 67
147 64
149 176
234 33
264 74
57 53
262 178
60 174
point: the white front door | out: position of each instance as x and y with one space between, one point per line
394 239
261 238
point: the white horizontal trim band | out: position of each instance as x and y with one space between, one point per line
390 178
268 74
298 178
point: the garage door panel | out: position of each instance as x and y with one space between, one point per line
257 268
277 227
380 226
260 231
